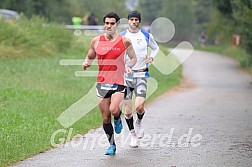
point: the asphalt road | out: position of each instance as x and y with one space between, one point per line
207 121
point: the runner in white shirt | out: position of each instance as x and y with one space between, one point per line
137 83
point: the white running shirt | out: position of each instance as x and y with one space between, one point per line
140 43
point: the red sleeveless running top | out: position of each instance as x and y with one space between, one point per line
111 61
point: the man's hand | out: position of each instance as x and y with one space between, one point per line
128 70
149 59
85 65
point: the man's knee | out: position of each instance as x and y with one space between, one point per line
128 110
114 110
128 115
140 108
106 119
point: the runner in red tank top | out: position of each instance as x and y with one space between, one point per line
111 60
110 50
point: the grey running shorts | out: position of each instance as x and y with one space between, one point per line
138 85
106 90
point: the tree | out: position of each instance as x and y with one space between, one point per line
242 13
101 7
225 7
149 9
203 13
63 10
239 14
182 15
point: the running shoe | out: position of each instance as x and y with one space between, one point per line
133 139
118 125
139 129
111 150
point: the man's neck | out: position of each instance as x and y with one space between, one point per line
133 31
111 37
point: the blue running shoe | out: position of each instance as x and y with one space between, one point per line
111 150
118 125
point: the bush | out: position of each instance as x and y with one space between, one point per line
34 37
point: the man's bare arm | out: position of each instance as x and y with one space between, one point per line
90 55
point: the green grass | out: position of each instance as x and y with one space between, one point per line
33 36
35 90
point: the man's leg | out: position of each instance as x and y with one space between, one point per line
140 113
140 91
130 122
139 103
107 126
128 108
116 100
128 114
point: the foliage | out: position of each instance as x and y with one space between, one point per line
34 35
219 30
183 21
149 9
243 16
239 15
225 7
203 11
219 18
101 7
63 10
56 10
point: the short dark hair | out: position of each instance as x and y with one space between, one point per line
111 15
134 13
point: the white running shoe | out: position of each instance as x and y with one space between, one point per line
139 129
133 139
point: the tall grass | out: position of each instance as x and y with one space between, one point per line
32 37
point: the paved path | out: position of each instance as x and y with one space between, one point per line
205 122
